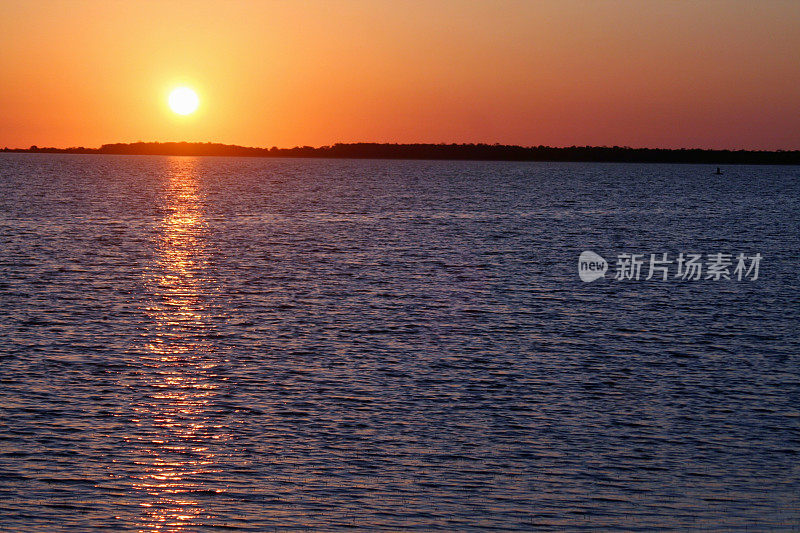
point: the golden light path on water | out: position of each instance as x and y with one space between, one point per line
177 456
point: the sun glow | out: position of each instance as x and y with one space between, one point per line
183 101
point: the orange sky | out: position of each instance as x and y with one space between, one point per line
721 74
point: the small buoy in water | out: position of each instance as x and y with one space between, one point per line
718 171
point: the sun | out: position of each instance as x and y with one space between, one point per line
183 101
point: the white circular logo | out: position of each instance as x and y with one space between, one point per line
591 266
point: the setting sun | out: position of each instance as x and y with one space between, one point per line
183 101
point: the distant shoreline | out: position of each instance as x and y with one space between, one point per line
456 152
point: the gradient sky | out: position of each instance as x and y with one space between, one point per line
712 74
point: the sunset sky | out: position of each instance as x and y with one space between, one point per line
709 74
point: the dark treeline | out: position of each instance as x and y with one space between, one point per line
484 152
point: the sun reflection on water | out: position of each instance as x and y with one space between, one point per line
178 432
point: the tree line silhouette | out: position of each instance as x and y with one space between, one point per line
482 152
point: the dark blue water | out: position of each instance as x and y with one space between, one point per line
252 344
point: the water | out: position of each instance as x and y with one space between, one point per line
257 344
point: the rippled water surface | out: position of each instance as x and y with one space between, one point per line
267 344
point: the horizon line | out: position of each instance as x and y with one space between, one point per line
377 143
428 151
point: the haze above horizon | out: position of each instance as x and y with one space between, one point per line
558 73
